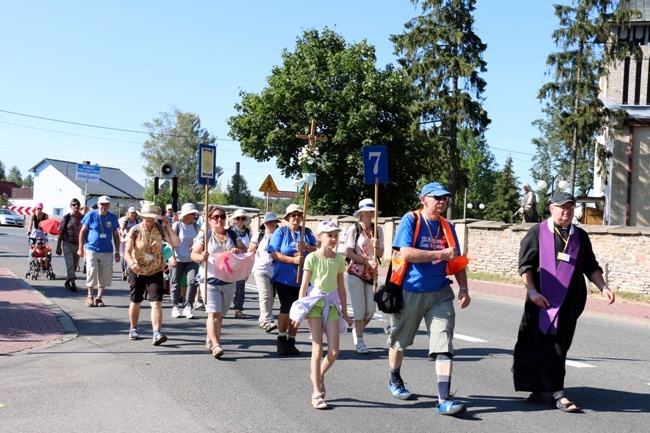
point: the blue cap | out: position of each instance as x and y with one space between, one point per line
434 188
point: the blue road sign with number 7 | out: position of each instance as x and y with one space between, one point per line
375 164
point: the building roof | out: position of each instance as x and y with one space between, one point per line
5 187
113 182
642 6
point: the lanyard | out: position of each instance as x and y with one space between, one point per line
566 241
433 240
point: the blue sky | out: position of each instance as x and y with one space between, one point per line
121 63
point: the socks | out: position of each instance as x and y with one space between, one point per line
395 375
282 334
443 371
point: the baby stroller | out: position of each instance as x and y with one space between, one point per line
40 256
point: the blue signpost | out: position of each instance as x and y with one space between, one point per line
375 170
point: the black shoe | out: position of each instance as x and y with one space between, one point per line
73 286
67 285
282 346
291 347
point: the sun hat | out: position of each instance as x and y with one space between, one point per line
103 199
149 210
366 205
563 197
168 207
291 209
240 213
327 227
271 216
186 209
434 188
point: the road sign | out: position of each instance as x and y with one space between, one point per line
375 164
207 165
268 185
88 173
282 194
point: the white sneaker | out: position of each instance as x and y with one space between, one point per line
199 306
187 312
175 312
361 348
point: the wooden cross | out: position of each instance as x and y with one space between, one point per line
312 138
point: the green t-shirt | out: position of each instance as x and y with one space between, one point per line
324 272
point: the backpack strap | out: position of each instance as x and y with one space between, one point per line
66 221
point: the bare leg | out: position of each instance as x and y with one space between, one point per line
156 315
134 314
316 332
213 327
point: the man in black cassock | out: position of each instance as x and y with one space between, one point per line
553 258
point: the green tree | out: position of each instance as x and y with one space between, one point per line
481 169
28 180
506 195
354 104
444 57
2 171
575 114
15 176
237 192
175 137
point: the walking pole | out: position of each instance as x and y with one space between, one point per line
204 286
302 231
374 247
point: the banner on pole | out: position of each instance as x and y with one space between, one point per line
207 165
375 164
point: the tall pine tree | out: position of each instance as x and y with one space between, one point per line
506 195
443 56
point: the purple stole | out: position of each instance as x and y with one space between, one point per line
554 280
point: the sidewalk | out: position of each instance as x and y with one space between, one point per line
27 318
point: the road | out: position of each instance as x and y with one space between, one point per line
101 381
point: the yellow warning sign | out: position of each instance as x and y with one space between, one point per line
268 185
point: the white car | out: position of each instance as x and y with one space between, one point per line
8 218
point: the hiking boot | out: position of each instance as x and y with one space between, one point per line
282 346
291 347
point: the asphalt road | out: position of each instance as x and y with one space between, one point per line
103 382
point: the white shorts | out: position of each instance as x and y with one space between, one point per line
99 268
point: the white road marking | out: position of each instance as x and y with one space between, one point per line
578 364
468 338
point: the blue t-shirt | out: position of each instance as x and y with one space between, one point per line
426 276
284 241
100 231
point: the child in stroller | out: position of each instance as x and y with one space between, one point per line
40 257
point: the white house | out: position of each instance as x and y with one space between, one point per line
55 185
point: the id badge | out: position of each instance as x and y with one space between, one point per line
564 257
148 257
102 235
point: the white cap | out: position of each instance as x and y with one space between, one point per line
327 227
103 199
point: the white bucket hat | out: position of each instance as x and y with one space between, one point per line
186 209
240 213
291 209
366 205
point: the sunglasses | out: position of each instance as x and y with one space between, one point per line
74 204
439 197
240 219
295 215
221 216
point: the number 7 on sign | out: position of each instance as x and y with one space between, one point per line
375 164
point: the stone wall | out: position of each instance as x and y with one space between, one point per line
622 252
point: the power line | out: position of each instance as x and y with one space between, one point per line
88 125
70 133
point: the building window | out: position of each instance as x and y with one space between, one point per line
57 211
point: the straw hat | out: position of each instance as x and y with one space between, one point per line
149 210
240 213
291 209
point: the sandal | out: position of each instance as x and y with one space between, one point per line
99 303
321 387
90 301
317 402
208 346
217 352
568 406
239 314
